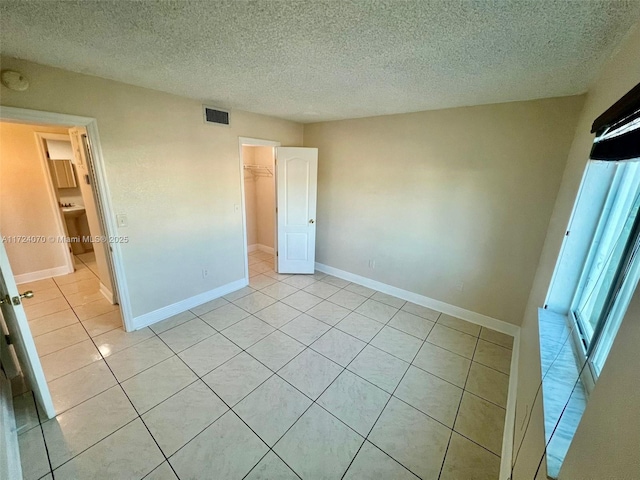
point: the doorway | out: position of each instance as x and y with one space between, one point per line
55 204
257 162
279 190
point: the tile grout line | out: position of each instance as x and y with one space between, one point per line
138 415
331 360
383 409
44 438
464 389
368 343
274 373
230 408
126 395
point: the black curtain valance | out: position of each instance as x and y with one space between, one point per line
610 145
621 147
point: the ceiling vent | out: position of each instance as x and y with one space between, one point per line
216 116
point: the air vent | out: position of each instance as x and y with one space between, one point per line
215 115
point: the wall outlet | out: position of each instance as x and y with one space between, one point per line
205 273
122 220
372 263
460 286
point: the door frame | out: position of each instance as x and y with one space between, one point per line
23 115
253 142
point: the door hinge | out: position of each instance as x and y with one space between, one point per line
276 253
566 234
7 338
276 209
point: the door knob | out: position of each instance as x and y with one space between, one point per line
27 294
311 221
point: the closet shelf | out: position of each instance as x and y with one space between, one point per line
260 170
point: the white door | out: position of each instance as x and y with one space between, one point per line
20 334
297 177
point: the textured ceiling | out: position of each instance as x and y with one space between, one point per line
320 60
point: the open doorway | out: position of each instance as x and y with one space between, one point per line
279 186
259 197
54 236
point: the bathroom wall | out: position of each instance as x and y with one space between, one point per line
26 207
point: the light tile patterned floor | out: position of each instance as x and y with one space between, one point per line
292 377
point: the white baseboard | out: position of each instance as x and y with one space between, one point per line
106 293
506 458
265 249
258 247
42 274
165 312
473 317
470 316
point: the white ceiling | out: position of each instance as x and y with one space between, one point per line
321 60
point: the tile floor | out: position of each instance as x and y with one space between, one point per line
307 377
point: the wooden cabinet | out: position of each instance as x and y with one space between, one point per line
62 173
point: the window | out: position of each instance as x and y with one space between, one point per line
611 270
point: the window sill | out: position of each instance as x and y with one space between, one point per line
560 373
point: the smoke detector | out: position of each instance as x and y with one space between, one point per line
14 80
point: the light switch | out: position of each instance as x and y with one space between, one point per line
121 218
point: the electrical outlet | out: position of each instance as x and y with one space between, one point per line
460 286
205 273
122 220
372 263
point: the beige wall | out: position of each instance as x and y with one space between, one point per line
607 442
26 207
445 197
176 178
265 198
618 76
250 196
260 198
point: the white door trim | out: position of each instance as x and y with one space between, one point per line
10 466
91 124
249 142
53 199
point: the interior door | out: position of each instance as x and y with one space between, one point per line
93 207
296 181
20 334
